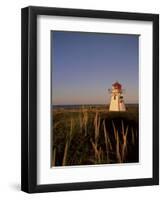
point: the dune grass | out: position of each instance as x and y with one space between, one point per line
94 136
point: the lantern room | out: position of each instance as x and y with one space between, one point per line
117 85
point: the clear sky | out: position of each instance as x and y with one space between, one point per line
85 65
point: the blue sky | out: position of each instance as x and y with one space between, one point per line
85 65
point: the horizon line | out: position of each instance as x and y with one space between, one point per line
88 104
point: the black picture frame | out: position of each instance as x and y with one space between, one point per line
29 99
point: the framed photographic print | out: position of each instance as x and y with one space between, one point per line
90 99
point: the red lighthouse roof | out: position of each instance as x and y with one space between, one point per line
117 85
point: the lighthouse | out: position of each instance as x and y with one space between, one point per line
117 101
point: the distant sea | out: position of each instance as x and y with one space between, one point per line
77 106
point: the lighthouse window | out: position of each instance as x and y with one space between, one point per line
114 97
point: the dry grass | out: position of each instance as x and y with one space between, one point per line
68 141
97 151
109 144
124 145
54 157
106 141
85 120
97 127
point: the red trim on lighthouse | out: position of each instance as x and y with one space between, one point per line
117 85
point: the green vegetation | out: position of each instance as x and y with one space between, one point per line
93 135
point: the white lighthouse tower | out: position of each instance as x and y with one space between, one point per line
117 101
